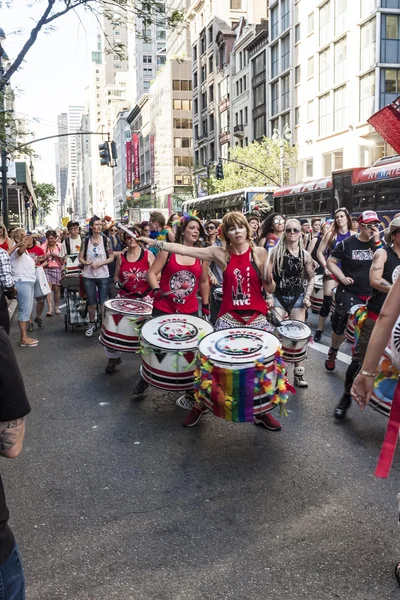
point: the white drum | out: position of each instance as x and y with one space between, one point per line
294 336
233 363
218 293
123 319
72 265
317 297
169 345
349 333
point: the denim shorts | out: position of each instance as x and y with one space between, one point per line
24 298
91 285
12 580
287 299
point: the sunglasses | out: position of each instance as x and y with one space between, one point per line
210 227
279 221
294 230
370 225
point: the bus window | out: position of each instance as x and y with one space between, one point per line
304 205
364 198
342 190
322 203
289 205
389 195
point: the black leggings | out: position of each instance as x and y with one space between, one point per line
326 306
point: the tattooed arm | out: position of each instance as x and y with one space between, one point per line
376 272
309 268
11 437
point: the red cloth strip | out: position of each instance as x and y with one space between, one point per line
372 315
390 442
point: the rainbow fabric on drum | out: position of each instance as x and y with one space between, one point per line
359 319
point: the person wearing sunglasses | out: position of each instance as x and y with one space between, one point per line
271 231
292 270
350 263
341 229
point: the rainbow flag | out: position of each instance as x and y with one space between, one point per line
226 386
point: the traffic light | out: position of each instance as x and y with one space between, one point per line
219 171
114 152
104 153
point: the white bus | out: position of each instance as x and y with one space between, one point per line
245 200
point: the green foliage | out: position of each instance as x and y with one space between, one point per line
264 156
145 201
46 195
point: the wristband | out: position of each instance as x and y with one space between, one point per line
158 245
379 244
367 373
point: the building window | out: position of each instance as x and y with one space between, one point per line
324 115
285 14
310 67
246 115
275 98
390 45
210 64
367 96
274 22
259 96
285 52
196 106
177 105
297 73
390 86
310 111
274 61
211 122
340 109
161 35
186 105
204 127
195 80
367 44
259 63
186 85
183 124
310 23
146 85
324 22
368 6
285 92
196 132
297 33
340 16
210 35
236 4
274 125
202 44
147 59
297 115
259 127
204 101
340 60
161 60
324 70
203 73
310 167
212 152
194 53
332 161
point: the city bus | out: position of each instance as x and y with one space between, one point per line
245 200
373 188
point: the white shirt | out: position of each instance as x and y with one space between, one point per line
75 246
23 267
95 254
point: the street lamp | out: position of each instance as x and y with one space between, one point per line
3 156
281 137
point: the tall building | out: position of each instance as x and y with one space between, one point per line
121 135
332 65
62 161
75 113
83 181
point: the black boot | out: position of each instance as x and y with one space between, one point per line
317 335
341 409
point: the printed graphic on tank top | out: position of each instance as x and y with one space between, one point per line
133 274
290 282
181 283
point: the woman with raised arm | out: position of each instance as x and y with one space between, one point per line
342 228
244 279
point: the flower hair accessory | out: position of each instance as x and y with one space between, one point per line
190 216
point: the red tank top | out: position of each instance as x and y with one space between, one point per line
242 286
134 274
183 282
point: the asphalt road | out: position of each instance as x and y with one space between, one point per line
113 499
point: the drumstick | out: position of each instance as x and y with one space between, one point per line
126 230
184 286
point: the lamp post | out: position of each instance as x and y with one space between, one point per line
281 137
4 189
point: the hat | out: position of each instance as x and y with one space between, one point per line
368 216
72 224
304 222
253 215
107 218
393 226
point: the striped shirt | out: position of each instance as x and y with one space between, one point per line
6 278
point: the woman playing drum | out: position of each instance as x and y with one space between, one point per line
244 278
179 280
292 269
341 230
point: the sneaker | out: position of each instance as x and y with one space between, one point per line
330 362
30 326
195 415
341 409
268 421
317 335
39 322
90 330
112 364
299 380
140 388
186 402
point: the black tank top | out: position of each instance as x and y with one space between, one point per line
291 278
376 300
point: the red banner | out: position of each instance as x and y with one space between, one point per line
387 123
136 167
128 152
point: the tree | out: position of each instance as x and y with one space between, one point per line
115 11
46 195
263 156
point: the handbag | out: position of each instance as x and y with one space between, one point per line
42 287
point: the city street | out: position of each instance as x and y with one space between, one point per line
113 498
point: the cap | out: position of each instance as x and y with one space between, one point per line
304 222
393 226
72 224
368 216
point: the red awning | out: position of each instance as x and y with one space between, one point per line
302 188
387 123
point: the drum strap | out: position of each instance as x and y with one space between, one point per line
288 307
247 321
390 442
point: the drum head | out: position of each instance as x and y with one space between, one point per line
175 331
129 306
239 346
294 330
319 281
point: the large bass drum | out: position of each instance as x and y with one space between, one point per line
123 319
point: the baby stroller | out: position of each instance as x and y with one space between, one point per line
76 305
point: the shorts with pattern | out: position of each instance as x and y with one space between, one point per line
54 275
227 321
